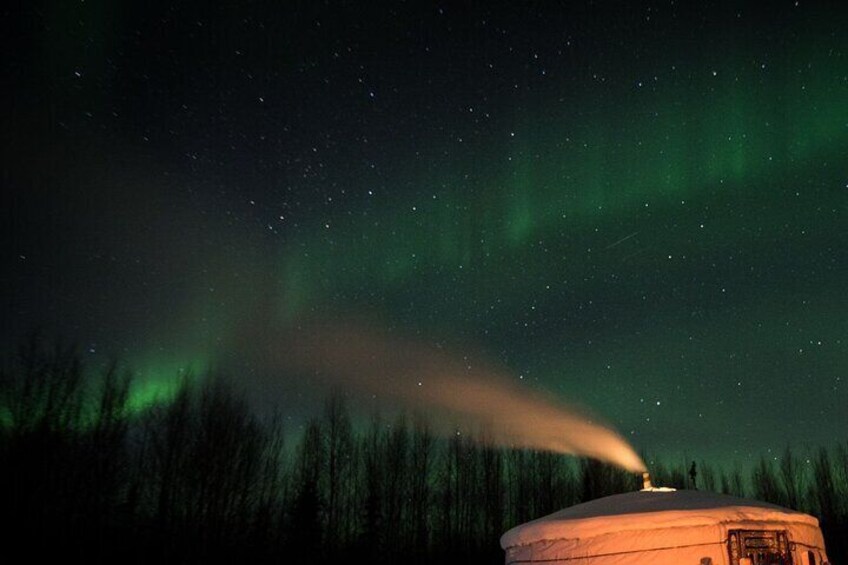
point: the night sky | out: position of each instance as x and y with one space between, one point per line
641 209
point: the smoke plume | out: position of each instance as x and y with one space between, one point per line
469 395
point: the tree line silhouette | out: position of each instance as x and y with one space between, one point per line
202 478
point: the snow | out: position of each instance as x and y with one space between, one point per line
648 523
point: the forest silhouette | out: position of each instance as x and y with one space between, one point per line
203 478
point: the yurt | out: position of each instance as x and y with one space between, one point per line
668 527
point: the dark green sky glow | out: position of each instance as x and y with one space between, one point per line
641 210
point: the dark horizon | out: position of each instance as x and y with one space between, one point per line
201 478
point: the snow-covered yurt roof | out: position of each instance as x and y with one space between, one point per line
652 521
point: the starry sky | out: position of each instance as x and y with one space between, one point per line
639 209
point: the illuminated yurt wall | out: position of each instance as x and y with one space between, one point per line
664 526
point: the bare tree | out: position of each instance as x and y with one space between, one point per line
493 492
823 487
420 491
599 479
306 522
791 479
371 533
708 477
339 448
733 484
106 457
396 486
170 434
765 483
519 486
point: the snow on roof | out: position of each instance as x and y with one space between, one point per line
650 510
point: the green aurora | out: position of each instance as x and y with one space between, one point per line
665 259
647 221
